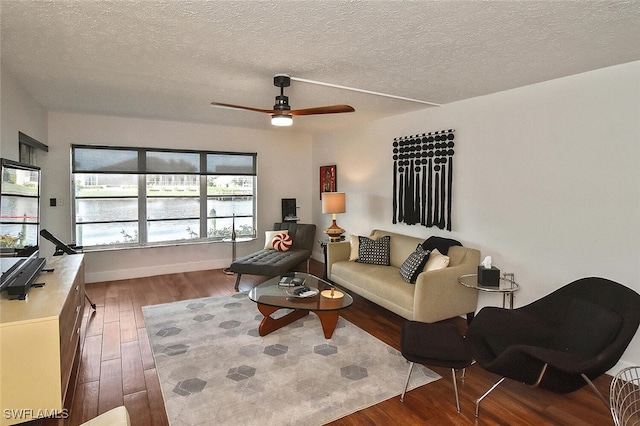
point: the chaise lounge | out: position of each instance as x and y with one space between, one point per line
272 262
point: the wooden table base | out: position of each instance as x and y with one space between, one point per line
328 319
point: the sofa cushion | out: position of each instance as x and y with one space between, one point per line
440 243
380 284
355 246
376 252
401 245
414 264
268 238
436 261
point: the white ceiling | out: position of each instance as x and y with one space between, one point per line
170 59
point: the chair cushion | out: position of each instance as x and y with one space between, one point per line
376 252
414 264
587 328
436 344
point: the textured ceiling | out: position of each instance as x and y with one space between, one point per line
170 59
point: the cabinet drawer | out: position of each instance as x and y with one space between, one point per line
70 321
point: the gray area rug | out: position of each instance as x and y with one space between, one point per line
215 369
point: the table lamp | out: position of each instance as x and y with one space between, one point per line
333 203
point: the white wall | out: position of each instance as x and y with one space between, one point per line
19 112
546 179
283 172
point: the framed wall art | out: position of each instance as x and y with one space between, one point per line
328 179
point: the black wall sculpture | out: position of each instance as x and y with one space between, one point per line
422 179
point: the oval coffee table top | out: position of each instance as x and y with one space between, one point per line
272 294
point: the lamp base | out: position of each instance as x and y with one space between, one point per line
334 232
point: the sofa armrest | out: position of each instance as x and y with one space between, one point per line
438 295
336 252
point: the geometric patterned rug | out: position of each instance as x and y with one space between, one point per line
215 369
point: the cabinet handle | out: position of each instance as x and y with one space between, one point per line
77 288
77 309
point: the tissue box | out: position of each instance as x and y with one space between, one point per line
488 277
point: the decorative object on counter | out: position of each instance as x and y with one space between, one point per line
423 179
334 203
332 294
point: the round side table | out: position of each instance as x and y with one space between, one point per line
233 241
507 287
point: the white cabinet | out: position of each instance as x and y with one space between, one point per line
40 344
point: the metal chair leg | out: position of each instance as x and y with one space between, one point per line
487 393
595 389
406 385
455 388
237 286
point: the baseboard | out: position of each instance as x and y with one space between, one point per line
124 274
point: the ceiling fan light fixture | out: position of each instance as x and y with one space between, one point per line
281 120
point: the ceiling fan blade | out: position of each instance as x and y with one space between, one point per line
333 109
240 107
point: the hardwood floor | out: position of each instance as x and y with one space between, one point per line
117 367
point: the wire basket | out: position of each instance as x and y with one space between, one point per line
624 397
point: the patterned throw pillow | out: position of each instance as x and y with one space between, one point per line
268 238
376 252
414 264
282 242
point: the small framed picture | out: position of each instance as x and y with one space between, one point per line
328 179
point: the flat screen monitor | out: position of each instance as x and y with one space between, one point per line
19 218
19 206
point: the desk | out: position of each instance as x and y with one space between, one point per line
233 242
507 287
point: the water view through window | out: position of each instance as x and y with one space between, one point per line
134 209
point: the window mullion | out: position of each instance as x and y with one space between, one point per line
204 232
142 209
142 197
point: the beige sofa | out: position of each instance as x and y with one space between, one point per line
435 296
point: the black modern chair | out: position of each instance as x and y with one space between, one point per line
560 342
439 344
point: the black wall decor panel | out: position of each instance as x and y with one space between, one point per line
423 178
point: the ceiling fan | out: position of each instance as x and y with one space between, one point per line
282 114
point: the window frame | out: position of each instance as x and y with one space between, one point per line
234 164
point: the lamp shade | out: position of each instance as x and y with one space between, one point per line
333 202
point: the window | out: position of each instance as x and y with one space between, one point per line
28 148
130 197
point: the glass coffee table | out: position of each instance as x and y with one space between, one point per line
326 303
